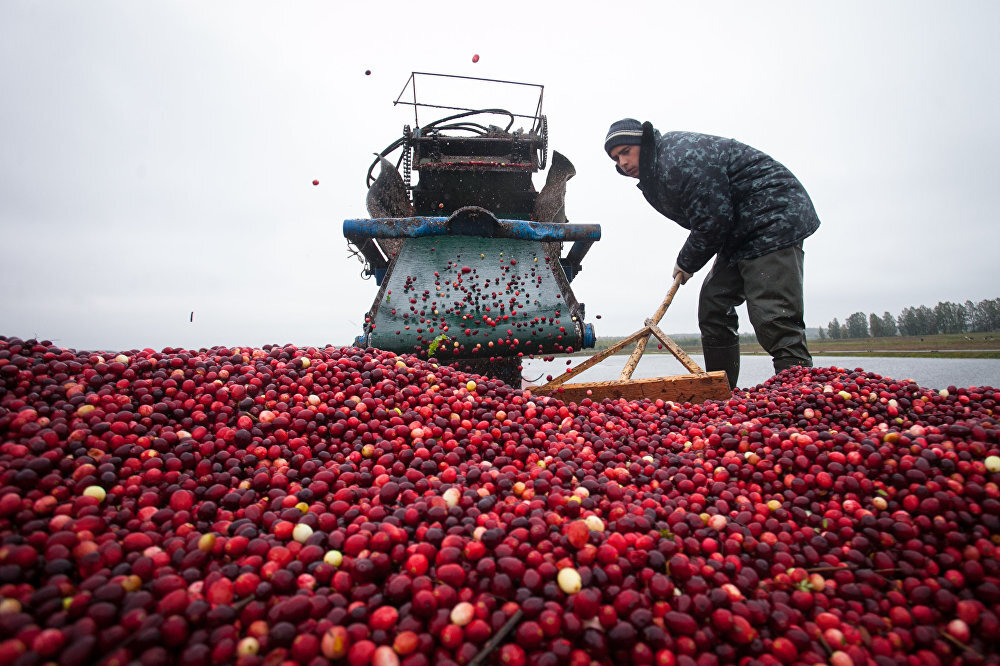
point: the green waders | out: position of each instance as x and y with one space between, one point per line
772 288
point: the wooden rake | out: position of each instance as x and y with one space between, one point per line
698 386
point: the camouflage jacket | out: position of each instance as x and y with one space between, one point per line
737 202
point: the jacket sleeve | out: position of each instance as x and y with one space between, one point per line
705 203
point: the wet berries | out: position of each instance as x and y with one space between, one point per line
303 504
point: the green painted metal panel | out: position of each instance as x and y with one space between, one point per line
475 297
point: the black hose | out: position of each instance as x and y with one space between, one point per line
386 151
469 127
472 113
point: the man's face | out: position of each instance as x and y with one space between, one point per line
627 159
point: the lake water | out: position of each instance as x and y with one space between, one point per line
933 373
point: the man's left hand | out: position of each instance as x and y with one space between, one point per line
685 276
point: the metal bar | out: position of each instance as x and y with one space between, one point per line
454 108
479 78
416 121
468 139
415 227
578 252
370 251
405 86
640 347
538 109
412 82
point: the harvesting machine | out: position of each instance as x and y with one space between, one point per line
469 259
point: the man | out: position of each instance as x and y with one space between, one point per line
742 207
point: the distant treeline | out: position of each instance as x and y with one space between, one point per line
945 317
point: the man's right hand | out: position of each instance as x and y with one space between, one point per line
685 276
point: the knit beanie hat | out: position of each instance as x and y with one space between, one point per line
627 132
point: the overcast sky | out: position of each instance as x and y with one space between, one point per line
157 159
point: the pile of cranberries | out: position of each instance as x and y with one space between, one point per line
305 505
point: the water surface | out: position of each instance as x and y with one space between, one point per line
935 373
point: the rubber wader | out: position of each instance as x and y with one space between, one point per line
724 358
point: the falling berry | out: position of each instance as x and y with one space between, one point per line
368 72
315 182
475 58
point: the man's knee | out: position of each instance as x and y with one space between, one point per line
719 325
721 293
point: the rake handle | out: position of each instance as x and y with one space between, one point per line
640 346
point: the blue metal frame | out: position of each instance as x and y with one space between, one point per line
416 227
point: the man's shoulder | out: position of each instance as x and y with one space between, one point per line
684 137
692 148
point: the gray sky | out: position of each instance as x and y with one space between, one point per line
158 158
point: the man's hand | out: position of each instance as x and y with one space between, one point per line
685 276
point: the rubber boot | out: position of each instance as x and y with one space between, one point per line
724 358
787 362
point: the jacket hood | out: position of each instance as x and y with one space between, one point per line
647 151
